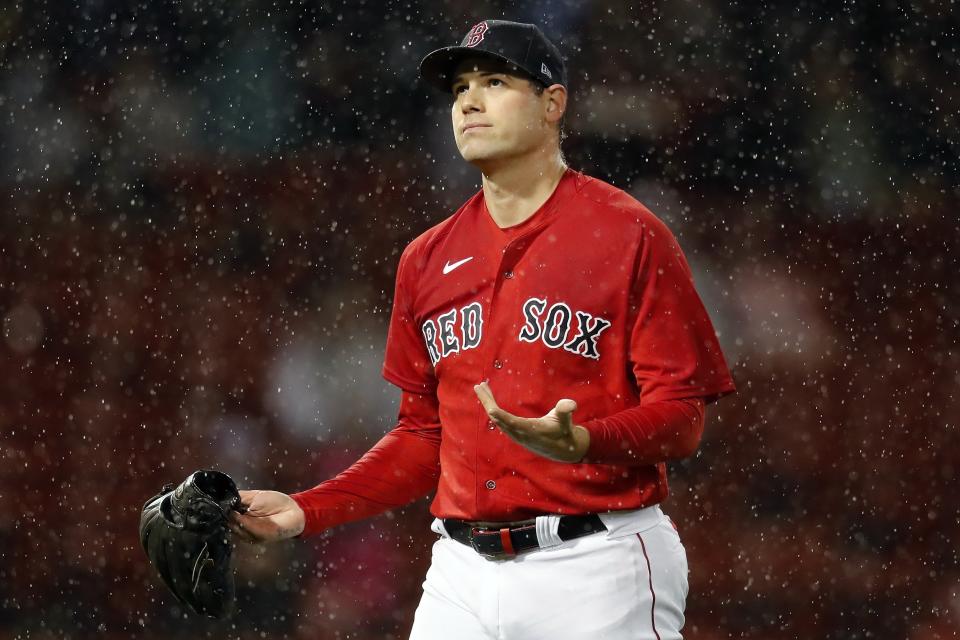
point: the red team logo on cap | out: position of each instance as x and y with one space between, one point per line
476 34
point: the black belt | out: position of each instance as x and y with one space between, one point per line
508 541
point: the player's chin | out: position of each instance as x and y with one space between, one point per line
472 156
478 153
468 148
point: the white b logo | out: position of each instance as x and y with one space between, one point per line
476 34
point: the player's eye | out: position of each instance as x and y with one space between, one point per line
458 89
495 82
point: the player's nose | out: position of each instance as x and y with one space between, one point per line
470 99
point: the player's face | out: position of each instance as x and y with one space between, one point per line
496 115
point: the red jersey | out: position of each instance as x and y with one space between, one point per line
592 299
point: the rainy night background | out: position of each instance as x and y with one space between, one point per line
203 204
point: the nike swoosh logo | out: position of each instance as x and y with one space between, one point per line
447 268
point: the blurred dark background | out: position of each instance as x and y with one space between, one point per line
203 204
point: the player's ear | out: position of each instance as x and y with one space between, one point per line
556 102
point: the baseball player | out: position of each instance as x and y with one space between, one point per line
552 354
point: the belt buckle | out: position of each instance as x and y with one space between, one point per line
486 554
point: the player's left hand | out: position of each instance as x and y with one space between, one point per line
552 436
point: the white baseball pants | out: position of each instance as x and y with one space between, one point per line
629 582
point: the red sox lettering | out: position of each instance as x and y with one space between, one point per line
553 327
549 326
442 340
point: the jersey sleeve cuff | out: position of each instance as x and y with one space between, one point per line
408 384
313 524
603 446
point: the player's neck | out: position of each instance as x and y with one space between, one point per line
514 191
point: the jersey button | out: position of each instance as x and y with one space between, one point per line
498 364
491 485
508 274
491 425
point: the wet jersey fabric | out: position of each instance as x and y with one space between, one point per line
592 299
405 464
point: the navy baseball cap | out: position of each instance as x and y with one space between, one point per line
522 45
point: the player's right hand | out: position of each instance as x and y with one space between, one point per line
269 516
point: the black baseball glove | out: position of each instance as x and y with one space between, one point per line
184 532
